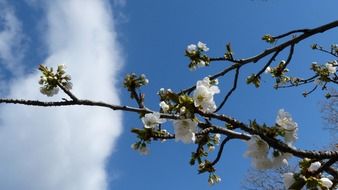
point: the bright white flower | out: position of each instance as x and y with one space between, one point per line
288 179
185 130
151 120
204 95
331 68
192 48
285 121
326 182
204 98
268 70
202 46
164 106
314 166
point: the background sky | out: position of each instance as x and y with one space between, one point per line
101 41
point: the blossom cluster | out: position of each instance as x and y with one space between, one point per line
288 126
279 73
50 81
132 81
318 182
196 53
259 150
204 95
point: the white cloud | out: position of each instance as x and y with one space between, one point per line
65 148
11 39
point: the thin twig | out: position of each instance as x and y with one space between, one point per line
234 86
68 92
220 151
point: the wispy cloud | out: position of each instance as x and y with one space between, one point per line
65 148
11 40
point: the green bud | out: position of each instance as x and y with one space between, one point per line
268 38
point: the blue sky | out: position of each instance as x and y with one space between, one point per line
101 41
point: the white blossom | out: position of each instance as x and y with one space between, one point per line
331 68
314 166
49 92
192 48
204 95
285 121
201 63
185 130
258 150
202 46
164 106
151 120
257 147
326 182
288 179
268 70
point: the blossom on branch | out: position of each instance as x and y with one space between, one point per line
204 95
185 130
331 68
314 166
164 106
326 182
258 150
196 54
285 121
202 46
151 120
50 81
192 49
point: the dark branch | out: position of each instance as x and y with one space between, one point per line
234 86
220 151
